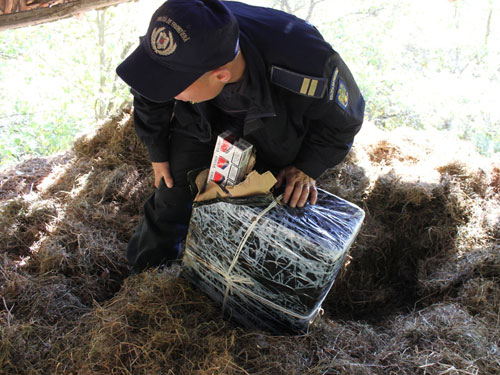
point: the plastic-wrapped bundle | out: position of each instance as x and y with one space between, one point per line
269 265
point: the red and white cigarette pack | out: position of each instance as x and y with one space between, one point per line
230 159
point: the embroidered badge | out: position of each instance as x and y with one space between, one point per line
162 43
342 95
331 92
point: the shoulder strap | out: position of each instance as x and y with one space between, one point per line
298 83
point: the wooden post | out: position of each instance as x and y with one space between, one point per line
52 13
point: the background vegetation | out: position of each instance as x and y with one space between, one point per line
426 64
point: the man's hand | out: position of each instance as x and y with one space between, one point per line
162 170
299 187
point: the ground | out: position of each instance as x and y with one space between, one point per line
418 294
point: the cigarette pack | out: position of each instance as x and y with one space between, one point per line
230 160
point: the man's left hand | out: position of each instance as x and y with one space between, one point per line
299 187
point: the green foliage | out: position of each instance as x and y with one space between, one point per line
58 80
423 64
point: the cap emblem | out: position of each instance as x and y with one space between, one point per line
162 43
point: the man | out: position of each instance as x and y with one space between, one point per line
206 66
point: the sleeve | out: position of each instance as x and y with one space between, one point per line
152 123
333 121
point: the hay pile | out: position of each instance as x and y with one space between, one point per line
420 293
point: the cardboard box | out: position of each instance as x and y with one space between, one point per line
230 159
269 269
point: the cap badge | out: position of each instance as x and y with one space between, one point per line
162 43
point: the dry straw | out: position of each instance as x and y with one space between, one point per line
419 294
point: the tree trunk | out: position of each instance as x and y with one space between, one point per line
488 26
101 32
312 4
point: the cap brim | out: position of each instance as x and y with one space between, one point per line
152 80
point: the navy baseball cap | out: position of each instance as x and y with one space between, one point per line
185 39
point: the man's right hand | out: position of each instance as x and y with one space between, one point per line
162 170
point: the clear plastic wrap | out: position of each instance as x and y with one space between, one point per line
270 266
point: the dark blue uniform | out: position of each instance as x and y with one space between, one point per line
302 108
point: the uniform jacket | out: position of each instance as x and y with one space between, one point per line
306 107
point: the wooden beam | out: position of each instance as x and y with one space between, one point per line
54 13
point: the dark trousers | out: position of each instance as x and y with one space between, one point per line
158 237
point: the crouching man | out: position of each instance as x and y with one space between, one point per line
206 66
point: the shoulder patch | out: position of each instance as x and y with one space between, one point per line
298 83
342 95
